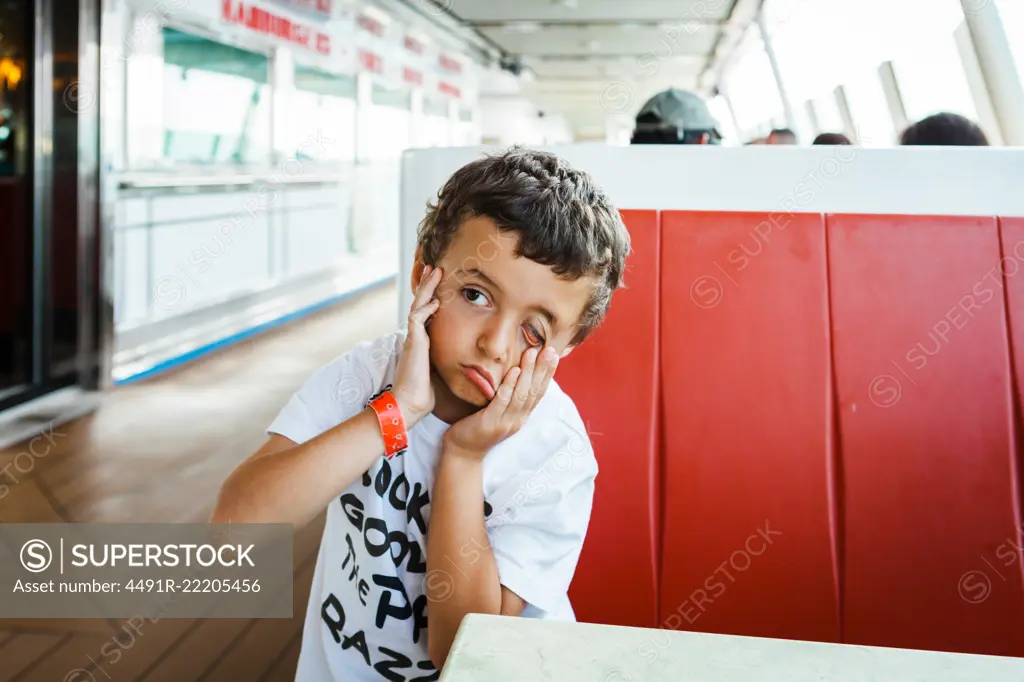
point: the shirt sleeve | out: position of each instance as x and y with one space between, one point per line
334 393
537 536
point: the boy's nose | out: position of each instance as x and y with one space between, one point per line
494 342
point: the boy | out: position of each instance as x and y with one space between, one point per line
454 422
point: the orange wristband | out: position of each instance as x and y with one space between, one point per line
392 424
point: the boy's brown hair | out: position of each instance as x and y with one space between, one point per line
562 218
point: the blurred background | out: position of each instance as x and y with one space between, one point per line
201 203
241 160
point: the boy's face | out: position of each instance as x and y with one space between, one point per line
494 307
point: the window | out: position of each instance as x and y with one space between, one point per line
820 44
317 118
826 109
870 110
720 110
210 104
932 79
752 88
387 124
468 129
437 129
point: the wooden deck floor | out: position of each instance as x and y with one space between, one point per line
158 451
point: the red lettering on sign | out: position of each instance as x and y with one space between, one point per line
449 89
371 62
449 64
372 25
413 45
268 23
412 76
323 43
255 20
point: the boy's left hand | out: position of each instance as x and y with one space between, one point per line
519 392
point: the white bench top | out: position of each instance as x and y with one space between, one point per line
502 649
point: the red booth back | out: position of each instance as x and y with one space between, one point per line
807 428
614 385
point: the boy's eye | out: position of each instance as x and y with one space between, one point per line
533 337
474 296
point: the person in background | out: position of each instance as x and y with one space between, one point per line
831 138
781 136
675 117
944 128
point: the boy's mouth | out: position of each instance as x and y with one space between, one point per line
480 378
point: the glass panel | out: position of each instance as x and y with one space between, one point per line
752 89
932 79
720 110
820 44
387 97
435 107
436 130
16 233
870 110
215 105
467 132
316 81
830 119
388 123
317 117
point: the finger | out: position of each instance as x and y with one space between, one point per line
426 287
429 310
542 375
503 396
522 389
419 317
418 296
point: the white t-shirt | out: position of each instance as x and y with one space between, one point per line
367 615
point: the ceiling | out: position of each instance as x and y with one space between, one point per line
589 60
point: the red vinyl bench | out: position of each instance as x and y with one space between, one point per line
807 427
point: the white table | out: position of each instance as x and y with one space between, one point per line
501 649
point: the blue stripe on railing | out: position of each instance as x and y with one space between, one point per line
188 357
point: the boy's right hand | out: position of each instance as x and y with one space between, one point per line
412 378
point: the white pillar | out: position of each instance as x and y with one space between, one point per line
893 98
416 117
364 110
987 118
361 223
787 106
454 121
849 125
996 60
282 84
812 117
